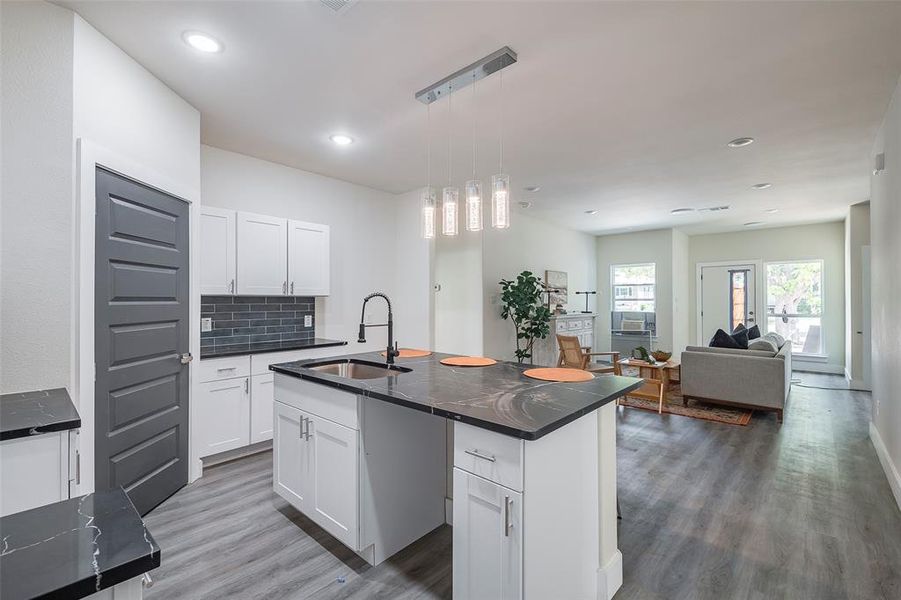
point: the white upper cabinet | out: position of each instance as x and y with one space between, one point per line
217 251
308 259
262 255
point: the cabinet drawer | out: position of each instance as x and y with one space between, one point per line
319 400
491 455
561 326
214 369
259 363
575 324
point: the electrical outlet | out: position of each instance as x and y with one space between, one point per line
308 320
206 324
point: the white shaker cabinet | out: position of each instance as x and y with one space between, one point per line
291 455
223 407
217 251
262 255
261 396
308 259
487 547
335 476
36 470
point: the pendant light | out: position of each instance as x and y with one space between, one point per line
450 195
473 186
428 194
500 183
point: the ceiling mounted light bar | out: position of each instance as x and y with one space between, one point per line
480 69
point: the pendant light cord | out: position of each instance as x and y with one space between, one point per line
428 148
501 119
450 137
473 125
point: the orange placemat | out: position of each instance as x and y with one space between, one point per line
468 361
554 374
409 353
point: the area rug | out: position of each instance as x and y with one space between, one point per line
695 409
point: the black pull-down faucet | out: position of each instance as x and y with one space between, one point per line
392 345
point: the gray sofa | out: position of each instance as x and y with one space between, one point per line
759 379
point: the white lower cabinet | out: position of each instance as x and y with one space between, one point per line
487 546
224 409
36 470
262 392
370 473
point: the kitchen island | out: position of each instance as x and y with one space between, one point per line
360 449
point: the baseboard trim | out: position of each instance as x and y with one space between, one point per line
891 472
610 577
449 511
816 367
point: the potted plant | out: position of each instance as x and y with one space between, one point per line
522 304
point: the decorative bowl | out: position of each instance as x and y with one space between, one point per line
661 356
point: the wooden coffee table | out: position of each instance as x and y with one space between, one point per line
658 379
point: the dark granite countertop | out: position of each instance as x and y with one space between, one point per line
33 413
74 548
262 347
499 397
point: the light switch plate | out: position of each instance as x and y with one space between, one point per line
206 324
308 320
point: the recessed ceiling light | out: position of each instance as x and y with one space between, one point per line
681 211
525 204
753 223
202 41
341 139
761 186
771 211
591 212
741 142
532 188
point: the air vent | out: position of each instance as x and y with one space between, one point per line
714 208
338 6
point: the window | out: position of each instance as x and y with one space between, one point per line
633 287
794 299
738 298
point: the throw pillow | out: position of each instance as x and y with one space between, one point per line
741 338
721 339
754 333
739 327
763 344
777 339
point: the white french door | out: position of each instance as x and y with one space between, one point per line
727 296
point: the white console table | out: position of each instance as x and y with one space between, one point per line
581 325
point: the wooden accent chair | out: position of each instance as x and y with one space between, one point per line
575 356
651 389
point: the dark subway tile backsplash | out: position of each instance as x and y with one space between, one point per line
241 320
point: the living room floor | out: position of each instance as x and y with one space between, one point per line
716 511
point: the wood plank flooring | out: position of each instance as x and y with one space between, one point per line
709 511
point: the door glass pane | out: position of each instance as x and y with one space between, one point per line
738 294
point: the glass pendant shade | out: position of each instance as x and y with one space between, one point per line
474 205
500 201
428 213
449 203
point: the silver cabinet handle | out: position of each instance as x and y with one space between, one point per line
232 287
186 358
146 580
224 369
508 522
307 433
303 421
247 385
477 454
292 288
285 287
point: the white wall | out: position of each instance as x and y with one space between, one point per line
413 299
531 245
821 241
366 240
682 287
37 186
885 212
857 235
641 247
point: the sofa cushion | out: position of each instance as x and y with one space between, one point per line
763 344
775 338
721 339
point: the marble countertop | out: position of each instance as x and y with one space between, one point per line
499 397
74 548
262 347
32 413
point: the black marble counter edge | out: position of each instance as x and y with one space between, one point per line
348 386
109 578
13 434
247 350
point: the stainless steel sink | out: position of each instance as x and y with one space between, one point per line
352 368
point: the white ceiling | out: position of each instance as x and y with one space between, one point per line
621 107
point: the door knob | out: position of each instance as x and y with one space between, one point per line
186 358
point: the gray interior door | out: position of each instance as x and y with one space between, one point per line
141 307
